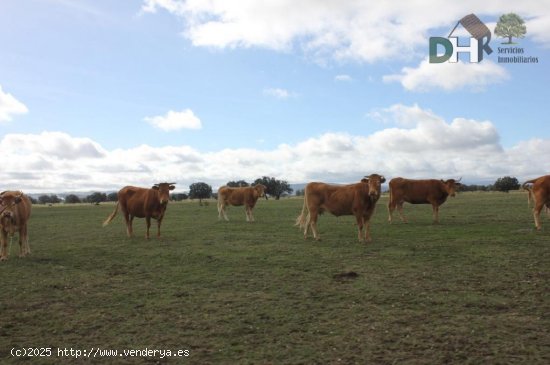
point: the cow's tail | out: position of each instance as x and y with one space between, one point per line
112 216
529 190
303 218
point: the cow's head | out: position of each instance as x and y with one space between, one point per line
164 191
375 185
451 186
260 190
8 202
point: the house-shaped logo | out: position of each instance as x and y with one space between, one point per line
480 36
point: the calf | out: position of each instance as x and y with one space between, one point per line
247 196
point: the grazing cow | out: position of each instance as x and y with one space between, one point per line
354 199
247 196
142 203
541 195
15 211
434 192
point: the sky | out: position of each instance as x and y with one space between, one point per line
99 94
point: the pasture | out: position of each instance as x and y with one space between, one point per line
473 289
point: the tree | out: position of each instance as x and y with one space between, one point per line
48 199
96 198
72 199
506 184
274 187
112 197
44 199
200 190
237 184
510 25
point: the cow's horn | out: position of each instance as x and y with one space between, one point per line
459 179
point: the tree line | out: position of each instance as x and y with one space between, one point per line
199 190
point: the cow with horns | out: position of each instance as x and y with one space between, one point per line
431 191
15 211
354 199
142 203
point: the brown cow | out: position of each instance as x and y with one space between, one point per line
15 211
434 192
142 203
354 199
541 195
247 196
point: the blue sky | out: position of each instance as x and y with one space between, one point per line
101 94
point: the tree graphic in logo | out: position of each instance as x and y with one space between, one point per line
510 26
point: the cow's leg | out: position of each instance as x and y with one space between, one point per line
400 210
313 215
391 208
221 211
367 231
307 224
536 214
435 209
366 223
148 223
360 223
250 214
23 241
128 219
159 221
3 246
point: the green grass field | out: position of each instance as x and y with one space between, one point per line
471 290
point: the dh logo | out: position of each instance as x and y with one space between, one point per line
479 42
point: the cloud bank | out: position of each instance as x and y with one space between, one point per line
414 143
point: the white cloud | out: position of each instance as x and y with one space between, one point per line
10 106
449 76
279 93
417 143
365 31
185 119
344 78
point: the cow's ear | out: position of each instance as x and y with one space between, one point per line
364 180
172 187
155 187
